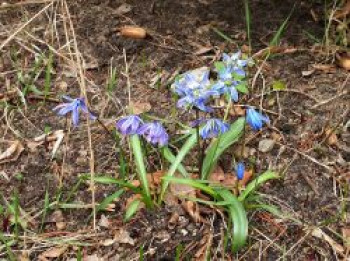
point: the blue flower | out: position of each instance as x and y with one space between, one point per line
154 133
213 128
192 81
74 106
218 88
235 63
240 170
190 101
234 59
194 89
255 119
233 93
129 125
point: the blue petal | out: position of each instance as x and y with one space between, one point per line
240 168
75 116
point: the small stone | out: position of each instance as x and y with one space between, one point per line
184 232
266 145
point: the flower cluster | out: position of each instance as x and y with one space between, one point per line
195 89
153 132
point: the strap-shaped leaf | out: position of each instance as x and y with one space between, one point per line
218 146
140 167
169 156
254 184
238 217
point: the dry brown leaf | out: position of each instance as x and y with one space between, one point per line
56 136
174 220
275 50
104 222
331 136
218 176
343 60
140 107
133 32
203 50
345 11
182 190
122 236
170 199
192 209
326 68
12 153
206 243
154 180
234 110
247 177
53 253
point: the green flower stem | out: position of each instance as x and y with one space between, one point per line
141 169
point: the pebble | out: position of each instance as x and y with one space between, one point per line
184 232
266 145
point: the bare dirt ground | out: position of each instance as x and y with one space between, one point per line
310 127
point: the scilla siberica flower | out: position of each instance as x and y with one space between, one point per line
194 89
226 79
255 119
213 128
240 170
74 106
235 62
129 125
154 133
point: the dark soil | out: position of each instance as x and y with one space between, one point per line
309 192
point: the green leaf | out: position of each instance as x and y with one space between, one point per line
169 156
109 199
278 86
254 184
189 144
219 66
141 169
110 180
242 87
277 37
193 183
132 209
238 217
218 146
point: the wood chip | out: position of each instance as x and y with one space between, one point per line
133 32
12 153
